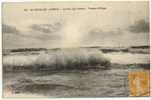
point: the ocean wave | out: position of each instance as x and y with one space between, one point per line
60 59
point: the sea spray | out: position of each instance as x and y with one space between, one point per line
73 58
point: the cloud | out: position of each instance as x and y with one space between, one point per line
139 26
98 34
9 29
46 28
36 31
101 37
45 31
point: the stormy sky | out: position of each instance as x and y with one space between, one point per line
120 24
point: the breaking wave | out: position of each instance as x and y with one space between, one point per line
59 59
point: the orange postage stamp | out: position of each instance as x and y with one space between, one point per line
138 82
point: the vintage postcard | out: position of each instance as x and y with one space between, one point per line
76 49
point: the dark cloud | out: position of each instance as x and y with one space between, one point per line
9 29
46 28
51 30
139 26
13 31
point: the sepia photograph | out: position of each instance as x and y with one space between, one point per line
76 49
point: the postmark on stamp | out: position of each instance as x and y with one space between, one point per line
138 82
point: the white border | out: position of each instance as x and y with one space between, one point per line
63 0
109 98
